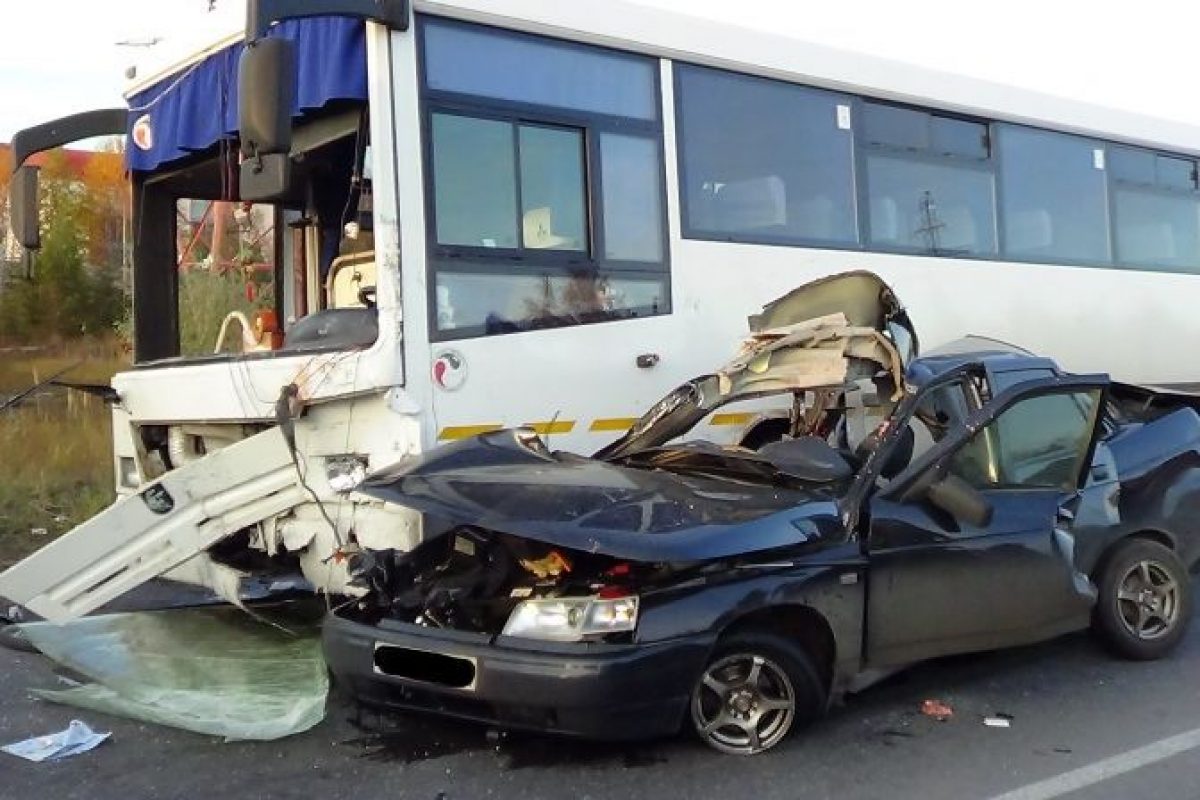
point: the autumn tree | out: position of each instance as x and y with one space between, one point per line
105 206
68 294
5 180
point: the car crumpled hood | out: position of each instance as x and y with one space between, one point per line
509 482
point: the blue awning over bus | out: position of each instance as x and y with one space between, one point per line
194 109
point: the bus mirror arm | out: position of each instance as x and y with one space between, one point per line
23 198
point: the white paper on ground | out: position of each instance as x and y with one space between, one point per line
77 738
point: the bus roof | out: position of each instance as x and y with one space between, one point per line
667 34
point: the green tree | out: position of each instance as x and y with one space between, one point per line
64 297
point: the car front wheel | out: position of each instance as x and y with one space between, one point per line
754 690
1145 600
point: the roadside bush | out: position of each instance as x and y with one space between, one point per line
205 297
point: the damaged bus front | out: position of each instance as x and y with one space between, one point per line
268 367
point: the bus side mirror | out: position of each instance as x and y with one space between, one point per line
266 88
23 207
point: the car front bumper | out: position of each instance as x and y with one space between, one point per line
592 690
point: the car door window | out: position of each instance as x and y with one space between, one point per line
940 411
1039 441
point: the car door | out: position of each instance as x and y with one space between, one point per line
941 583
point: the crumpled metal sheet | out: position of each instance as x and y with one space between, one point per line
216 671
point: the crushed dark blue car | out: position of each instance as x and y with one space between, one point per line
883 508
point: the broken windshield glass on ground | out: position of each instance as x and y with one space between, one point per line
216 670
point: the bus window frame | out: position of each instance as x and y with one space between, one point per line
695 233
994 163
1116 183
158 192
521 260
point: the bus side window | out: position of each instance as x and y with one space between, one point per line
546 178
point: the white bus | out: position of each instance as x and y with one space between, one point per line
565 209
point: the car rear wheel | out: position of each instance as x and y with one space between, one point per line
754 690
1145 601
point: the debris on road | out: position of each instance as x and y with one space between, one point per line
936 709
216 671
77 738
998 720
13 638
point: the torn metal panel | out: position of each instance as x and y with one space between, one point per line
144 535
816 358
860 296
827 334
215 671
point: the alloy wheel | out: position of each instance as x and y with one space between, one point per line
743 704
1148 600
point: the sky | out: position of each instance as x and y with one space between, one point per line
1132 55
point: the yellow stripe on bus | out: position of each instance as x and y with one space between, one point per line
612 424
553 426
466 431
605 425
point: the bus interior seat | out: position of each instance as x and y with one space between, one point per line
751 204
1030 230
350 278
959 232
1149 241
814 216
537 231
885 219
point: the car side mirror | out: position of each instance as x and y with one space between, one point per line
960 500
266 92
23 207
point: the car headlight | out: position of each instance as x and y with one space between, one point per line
570 619
345 473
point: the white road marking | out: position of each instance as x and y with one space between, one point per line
1104 769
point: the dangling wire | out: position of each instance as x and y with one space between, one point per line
356 170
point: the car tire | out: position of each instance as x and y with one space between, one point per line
1145 601
756 687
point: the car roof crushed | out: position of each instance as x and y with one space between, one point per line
832 333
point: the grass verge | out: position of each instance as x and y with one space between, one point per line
55 449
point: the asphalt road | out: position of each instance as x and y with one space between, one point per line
1084 726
